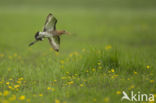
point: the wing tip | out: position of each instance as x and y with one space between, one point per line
57 50
50 14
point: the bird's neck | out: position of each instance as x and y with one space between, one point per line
44 34
60 32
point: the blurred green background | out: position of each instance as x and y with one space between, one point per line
128 26
92 23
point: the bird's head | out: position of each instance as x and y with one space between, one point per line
37 36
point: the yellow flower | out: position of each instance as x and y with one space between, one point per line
84 80
94 99
147 66
70 55
131 87
10 79
9 69
108 47
135 72
106 99
20 78
12 98
7 83
40 95
93 69
112 70
22 97
19 82
99 67
10 87
71 82
15 54
17 89
57 101
151 81
55 80
62 61
81 85
0 93
112 77
16 86
5 93
118 92
63 78
53 89
99 63
48 88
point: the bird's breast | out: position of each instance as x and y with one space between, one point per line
53 33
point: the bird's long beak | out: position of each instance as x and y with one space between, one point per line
33 42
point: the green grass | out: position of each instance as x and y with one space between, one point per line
108 51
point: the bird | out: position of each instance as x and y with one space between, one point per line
50 32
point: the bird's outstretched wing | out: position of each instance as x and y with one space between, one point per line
50 23
49 26
55 42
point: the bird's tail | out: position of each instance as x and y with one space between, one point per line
33 42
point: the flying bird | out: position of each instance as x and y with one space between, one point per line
50 32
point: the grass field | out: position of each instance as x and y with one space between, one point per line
111 49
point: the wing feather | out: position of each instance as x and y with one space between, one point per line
55 42
50 23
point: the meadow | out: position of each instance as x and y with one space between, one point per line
111 49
